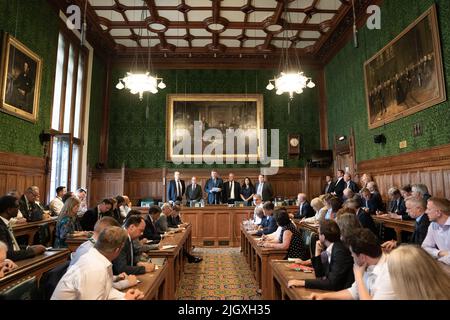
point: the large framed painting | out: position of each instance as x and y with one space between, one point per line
406 76
214 128
20 79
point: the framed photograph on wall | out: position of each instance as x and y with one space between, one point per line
203 123
406 76
20 79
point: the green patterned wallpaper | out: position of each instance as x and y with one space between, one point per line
95 112
140 142
35 24
346 93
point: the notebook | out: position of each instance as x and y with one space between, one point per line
299 267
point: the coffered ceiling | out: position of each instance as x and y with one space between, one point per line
237 31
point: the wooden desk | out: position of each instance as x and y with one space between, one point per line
258 259
29 229
216 226
312 227
36 266
175 258
74 242
397 225
282 274
153 284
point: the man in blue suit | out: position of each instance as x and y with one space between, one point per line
349 183
213 187
268 224
176 188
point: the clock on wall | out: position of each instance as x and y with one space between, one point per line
294 145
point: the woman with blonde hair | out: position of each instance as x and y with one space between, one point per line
317 204
68 223
365 179
415 275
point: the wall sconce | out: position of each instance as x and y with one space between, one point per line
342 138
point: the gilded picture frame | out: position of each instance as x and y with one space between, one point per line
20 83
407 75
213 111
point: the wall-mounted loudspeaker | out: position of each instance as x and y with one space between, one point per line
381 138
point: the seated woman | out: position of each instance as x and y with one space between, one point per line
290 239
427 280
333 204
68 223
317 204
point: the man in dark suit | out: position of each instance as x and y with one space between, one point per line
349 183
91 216
333 266
329 185
339 185
231 190
128 259
176 188
194 191
363 215
264 189
416 209
214 187
397 203
150 232
304 208
9 207
268 224
28 206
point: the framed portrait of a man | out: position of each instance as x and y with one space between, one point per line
407 75
20 79
213 127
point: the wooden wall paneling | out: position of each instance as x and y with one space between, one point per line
446 177
224 222
105 184
208 226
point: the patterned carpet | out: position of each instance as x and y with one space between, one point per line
222 275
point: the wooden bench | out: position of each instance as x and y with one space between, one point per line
30 229
399 226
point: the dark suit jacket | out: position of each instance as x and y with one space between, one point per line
352 186
11 254
420 230
173 222
269 226
307 211
366 221
161 224
339 187
150 232
123 262
226 194
214 197
372 204
267 191
172 191
89 219
328 188
34 213
194 194
336 275
399 208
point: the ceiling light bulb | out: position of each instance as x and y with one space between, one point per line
311 84
270 86
161 85
120 85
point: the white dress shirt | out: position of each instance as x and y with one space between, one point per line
56 206
90 278
260 188
437 240
8 224
232 190
378 282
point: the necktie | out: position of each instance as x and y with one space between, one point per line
132 253
178 188
11 233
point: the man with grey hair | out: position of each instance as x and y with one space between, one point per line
28 205
304 208
81 194
161 224
176 188
416 209
420 190
91 277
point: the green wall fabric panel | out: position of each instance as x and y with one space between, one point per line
346 92
35 24
139 142
96 110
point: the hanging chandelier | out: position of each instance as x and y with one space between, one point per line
139 82
291 79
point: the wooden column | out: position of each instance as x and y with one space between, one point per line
323 118
104 133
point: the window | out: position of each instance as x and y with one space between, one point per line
68 113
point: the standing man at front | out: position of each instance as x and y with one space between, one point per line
264 189
231 190
176 188
213 187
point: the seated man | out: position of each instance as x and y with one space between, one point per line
150 231
372 280
416 209
91 216
28 205
397 203
333 266
363 216
257 213
57 204
6 265
90 278
9 206
268 225
162 224
437 241
304 208
128 259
